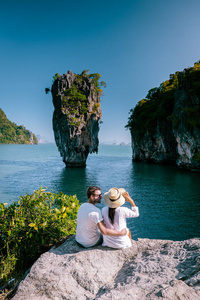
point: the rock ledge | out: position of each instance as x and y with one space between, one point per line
150 269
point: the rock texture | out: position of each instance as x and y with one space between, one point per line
176 137
150 269
76 117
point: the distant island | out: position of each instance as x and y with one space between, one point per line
10 133
165 126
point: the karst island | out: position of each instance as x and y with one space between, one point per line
165 126
77 115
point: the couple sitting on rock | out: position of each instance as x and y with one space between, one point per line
109 226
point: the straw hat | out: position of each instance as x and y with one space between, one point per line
113 198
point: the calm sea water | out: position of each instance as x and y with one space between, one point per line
168 198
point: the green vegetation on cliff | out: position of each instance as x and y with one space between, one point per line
32 226
158 106
75 98
10 133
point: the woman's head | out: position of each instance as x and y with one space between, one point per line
113 198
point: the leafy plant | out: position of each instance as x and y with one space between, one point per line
56 76
192 116
47 90
196 157
96 107
32 226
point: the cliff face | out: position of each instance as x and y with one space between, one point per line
165 127
10 133
150 269
76 117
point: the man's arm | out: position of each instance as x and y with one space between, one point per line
111 232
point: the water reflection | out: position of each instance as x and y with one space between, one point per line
169 201
72 181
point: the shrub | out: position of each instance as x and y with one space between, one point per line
196 157
96 107
56 76
192 116
32 226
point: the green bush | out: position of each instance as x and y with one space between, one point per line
192 115
32 226
196 157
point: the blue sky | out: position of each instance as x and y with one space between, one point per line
134 45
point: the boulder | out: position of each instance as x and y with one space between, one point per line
150 269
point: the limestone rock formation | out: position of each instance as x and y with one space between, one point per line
165 127
150 269
77 114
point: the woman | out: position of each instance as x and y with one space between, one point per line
115 217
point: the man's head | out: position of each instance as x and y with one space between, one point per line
94 195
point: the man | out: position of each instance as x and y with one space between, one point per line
90 226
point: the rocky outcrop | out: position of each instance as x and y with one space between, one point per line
76 117
150 269
165 127
11 133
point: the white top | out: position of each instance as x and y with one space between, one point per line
121 213
87 233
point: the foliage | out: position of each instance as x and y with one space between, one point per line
31 226
196 157
76 103
56 76
75 121
74 100
47 90
73 95
10 133
158 106
96 107
192 116
95 79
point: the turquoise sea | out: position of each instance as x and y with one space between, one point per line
168 198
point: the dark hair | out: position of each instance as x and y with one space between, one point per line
91 190
111 214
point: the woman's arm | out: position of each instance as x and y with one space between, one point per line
128 198
135 211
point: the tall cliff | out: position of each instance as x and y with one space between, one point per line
165 126
77 114
10 133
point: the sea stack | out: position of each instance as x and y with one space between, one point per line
165 126
77 115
